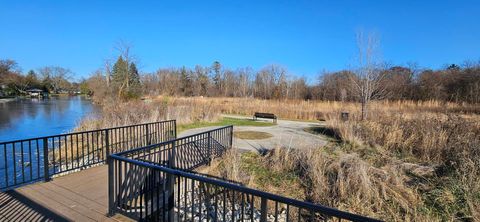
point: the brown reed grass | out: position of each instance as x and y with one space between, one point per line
410 161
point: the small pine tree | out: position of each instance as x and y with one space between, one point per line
186 82
134 86
134 77
119 73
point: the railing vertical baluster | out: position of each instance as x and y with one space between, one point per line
107 143
98 155
252 207
147 132
30 166
38 158
263 209
14 165
78 155
231 136
83 151
171 183
175 129
22 158
288 213
6 163
53 154
46 175
224 191
209 147
111 200
71 151
66 154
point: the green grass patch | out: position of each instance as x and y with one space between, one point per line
223 122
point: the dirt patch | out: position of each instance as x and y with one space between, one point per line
252 135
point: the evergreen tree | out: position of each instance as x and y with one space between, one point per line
126 79
217 76
134 86
186 82
119 72
134 77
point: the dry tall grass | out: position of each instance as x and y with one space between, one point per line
136 112
438 153
314 110
411 161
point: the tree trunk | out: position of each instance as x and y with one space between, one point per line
364 110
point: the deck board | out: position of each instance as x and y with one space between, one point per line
79 196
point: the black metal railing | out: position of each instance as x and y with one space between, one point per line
144 185
29 160
190 151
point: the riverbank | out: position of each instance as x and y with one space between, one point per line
5 100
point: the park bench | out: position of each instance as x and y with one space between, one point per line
265 116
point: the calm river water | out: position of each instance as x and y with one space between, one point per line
26 118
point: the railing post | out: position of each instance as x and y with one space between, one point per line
209 148
263 210
46 173
171 184
107 143
111 200
148 142
231 136
175 127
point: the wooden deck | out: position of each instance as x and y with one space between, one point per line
80 196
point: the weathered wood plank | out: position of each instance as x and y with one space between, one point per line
80 196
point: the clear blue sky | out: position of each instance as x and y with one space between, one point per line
305 36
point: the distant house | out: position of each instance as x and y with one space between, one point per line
37 93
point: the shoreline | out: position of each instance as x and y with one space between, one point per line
4 100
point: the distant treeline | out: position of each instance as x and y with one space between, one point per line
53 79
122 79
453 83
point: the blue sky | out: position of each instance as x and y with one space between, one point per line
305 36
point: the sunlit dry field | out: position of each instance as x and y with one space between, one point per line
414 161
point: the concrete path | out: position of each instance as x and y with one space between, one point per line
287 134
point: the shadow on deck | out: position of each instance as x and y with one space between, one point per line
80 196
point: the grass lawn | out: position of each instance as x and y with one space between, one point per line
225 121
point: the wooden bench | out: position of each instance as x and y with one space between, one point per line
265 116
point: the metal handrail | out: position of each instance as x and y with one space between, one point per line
307 205
29 160
168 141
173 183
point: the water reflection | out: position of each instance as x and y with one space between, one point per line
25 118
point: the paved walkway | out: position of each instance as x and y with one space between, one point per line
286 134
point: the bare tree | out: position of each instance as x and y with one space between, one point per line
56 77
124 50
244 75
368 76
108 71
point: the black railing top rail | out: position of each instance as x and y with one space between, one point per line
169 141
232 186
80 132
